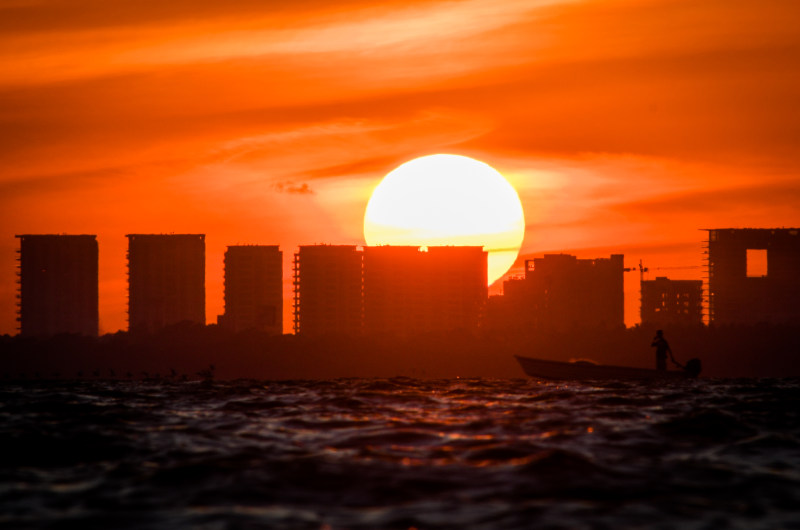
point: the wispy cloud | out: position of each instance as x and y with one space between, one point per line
727 205
290 187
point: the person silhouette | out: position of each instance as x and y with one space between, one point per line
662 350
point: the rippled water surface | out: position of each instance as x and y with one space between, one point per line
400 453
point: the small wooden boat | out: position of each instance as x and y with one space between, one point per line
587 370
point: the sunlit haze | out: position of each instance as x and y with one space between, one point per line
448 200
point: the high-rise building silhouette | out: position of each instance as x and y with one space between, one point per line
58 284
411 290
510 312
668 302
568 292
560 292
458 286
753 275
327 290
340 289
166 280
253 288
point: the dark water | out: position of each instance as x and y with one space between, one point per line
400 453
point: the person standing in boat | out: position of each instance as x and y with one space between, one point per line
662 350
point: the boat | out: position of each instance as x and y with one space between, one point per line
588 370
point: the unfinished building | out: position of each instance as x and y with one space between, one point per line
753 275
668 302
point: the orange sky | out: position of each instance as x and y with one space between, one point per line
625 125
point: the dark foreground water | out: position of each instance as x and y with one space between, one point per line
400 453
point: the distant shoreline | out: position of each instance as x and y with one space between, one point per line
193 352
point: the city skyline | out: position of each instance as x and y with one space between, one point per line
624 127
402 289
400 264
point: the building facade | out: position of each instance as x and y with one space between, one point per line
566 292
166 280
327 290
410 290
396 290
668 302
253 289
58 284
753 275
560 292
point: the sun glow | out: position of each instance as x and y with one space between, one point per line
448 200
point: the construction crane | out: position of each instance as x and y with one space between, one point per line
642 269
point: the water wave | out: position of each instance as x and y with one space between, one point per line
400 453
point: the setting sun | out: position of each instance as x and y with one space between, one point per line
448 200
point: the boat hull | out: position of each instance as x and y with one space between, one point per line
557 370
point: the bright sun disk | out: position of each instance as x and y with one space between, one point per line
448 200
